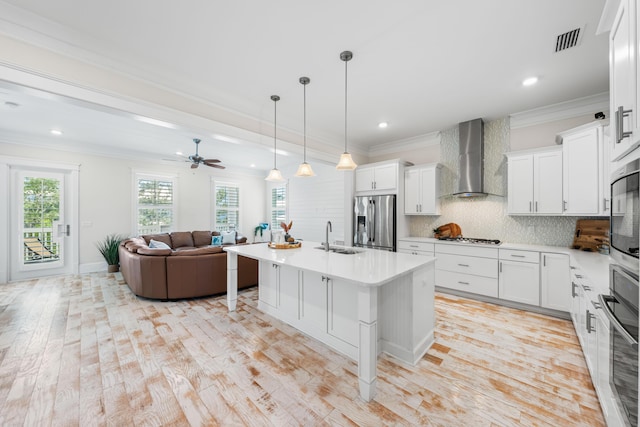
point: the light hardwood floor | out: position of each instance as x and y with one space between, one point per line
83 350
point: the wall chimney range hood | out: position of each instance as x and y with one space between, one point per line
471 159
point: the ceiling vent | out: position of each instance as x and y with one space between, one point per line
568 39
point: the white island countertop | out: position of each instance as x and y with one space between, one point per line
369 267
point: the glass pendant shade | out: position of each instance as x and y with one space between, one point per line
346 163
274 176
305 170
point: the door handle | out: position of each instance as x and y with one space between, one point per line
573 289
621 113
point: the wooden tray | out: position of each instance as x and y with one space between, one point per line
591 233
293 245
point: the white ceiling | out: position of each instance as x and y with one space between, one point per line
421 66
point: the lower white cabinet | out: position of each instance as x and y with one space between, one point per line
468 269
313 299
279 287
592 328
342 318
519 281
415 247
555 290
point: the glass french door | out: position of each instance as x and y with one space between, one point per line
41 231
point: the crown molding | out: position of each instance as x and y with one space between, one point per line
560 111
407 144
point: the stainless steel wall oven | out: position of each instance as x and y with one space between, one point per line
625 216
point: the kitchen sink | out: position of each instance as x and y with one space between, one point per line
340 250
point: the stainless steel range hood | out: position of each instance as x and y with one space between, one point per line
471 159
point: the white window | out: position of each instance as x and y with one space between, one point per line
278 206
226 206
155 203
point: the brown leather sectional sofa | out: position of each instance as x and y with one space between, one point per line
190 268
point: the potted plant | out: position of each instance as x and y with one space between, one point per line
108 247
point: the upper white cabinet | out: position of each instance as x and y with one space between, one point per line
624 87
533 179
584 178
377 177
421 190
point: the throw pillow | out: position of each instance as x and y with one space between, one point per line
228 237
216 240
158 245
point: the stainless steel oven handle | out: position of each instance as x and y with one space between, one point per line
614 320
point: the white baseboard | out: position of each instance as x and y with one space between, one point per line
92 267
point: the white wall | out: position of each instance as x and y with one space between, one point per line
105 195
315 200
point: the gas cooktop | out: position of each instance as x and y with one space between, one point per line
472 240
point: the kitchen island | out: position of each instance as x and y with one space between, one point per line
360 304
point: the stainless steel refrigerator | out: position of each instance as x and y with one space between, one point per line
374 222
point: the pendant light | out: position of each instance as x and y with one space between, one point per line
274 174
305 168
346 162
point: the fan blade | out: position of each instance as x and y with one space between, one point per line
194 165
211 160
215 166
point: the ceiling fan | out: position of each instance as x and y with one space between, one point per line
197 159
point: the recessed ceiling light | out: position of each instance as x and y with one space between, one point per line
56 131
530 81
253 165
179 153
383 125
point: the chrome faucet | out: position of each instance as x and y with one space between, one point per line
326 237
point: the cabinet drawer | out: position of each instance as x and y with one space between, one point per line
523 256
415 246
414 252
467 283
461 249
467 265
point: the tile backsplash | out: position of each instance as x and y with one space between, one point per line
486 217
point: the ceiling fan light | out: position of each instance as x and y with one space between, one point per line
274 176
346 163
305 170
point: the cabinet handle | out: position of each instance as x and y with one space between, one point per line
517 256
536 206
586 288
544 260
579 276
573 289
604 204
530 207
564 205
414 246
417 209
463 283
590 327
621 113
463 265
420 207
500 266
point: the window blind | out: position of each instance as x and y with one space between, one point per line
227 207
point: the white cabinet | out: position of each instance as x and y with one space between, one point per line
313 299
377 177
555 282
279 288
467 269
342 318
623 44
583 171
421 190
267 291
415 247
533 179
519 278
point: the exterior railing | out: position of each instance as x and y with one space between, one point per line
39 245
